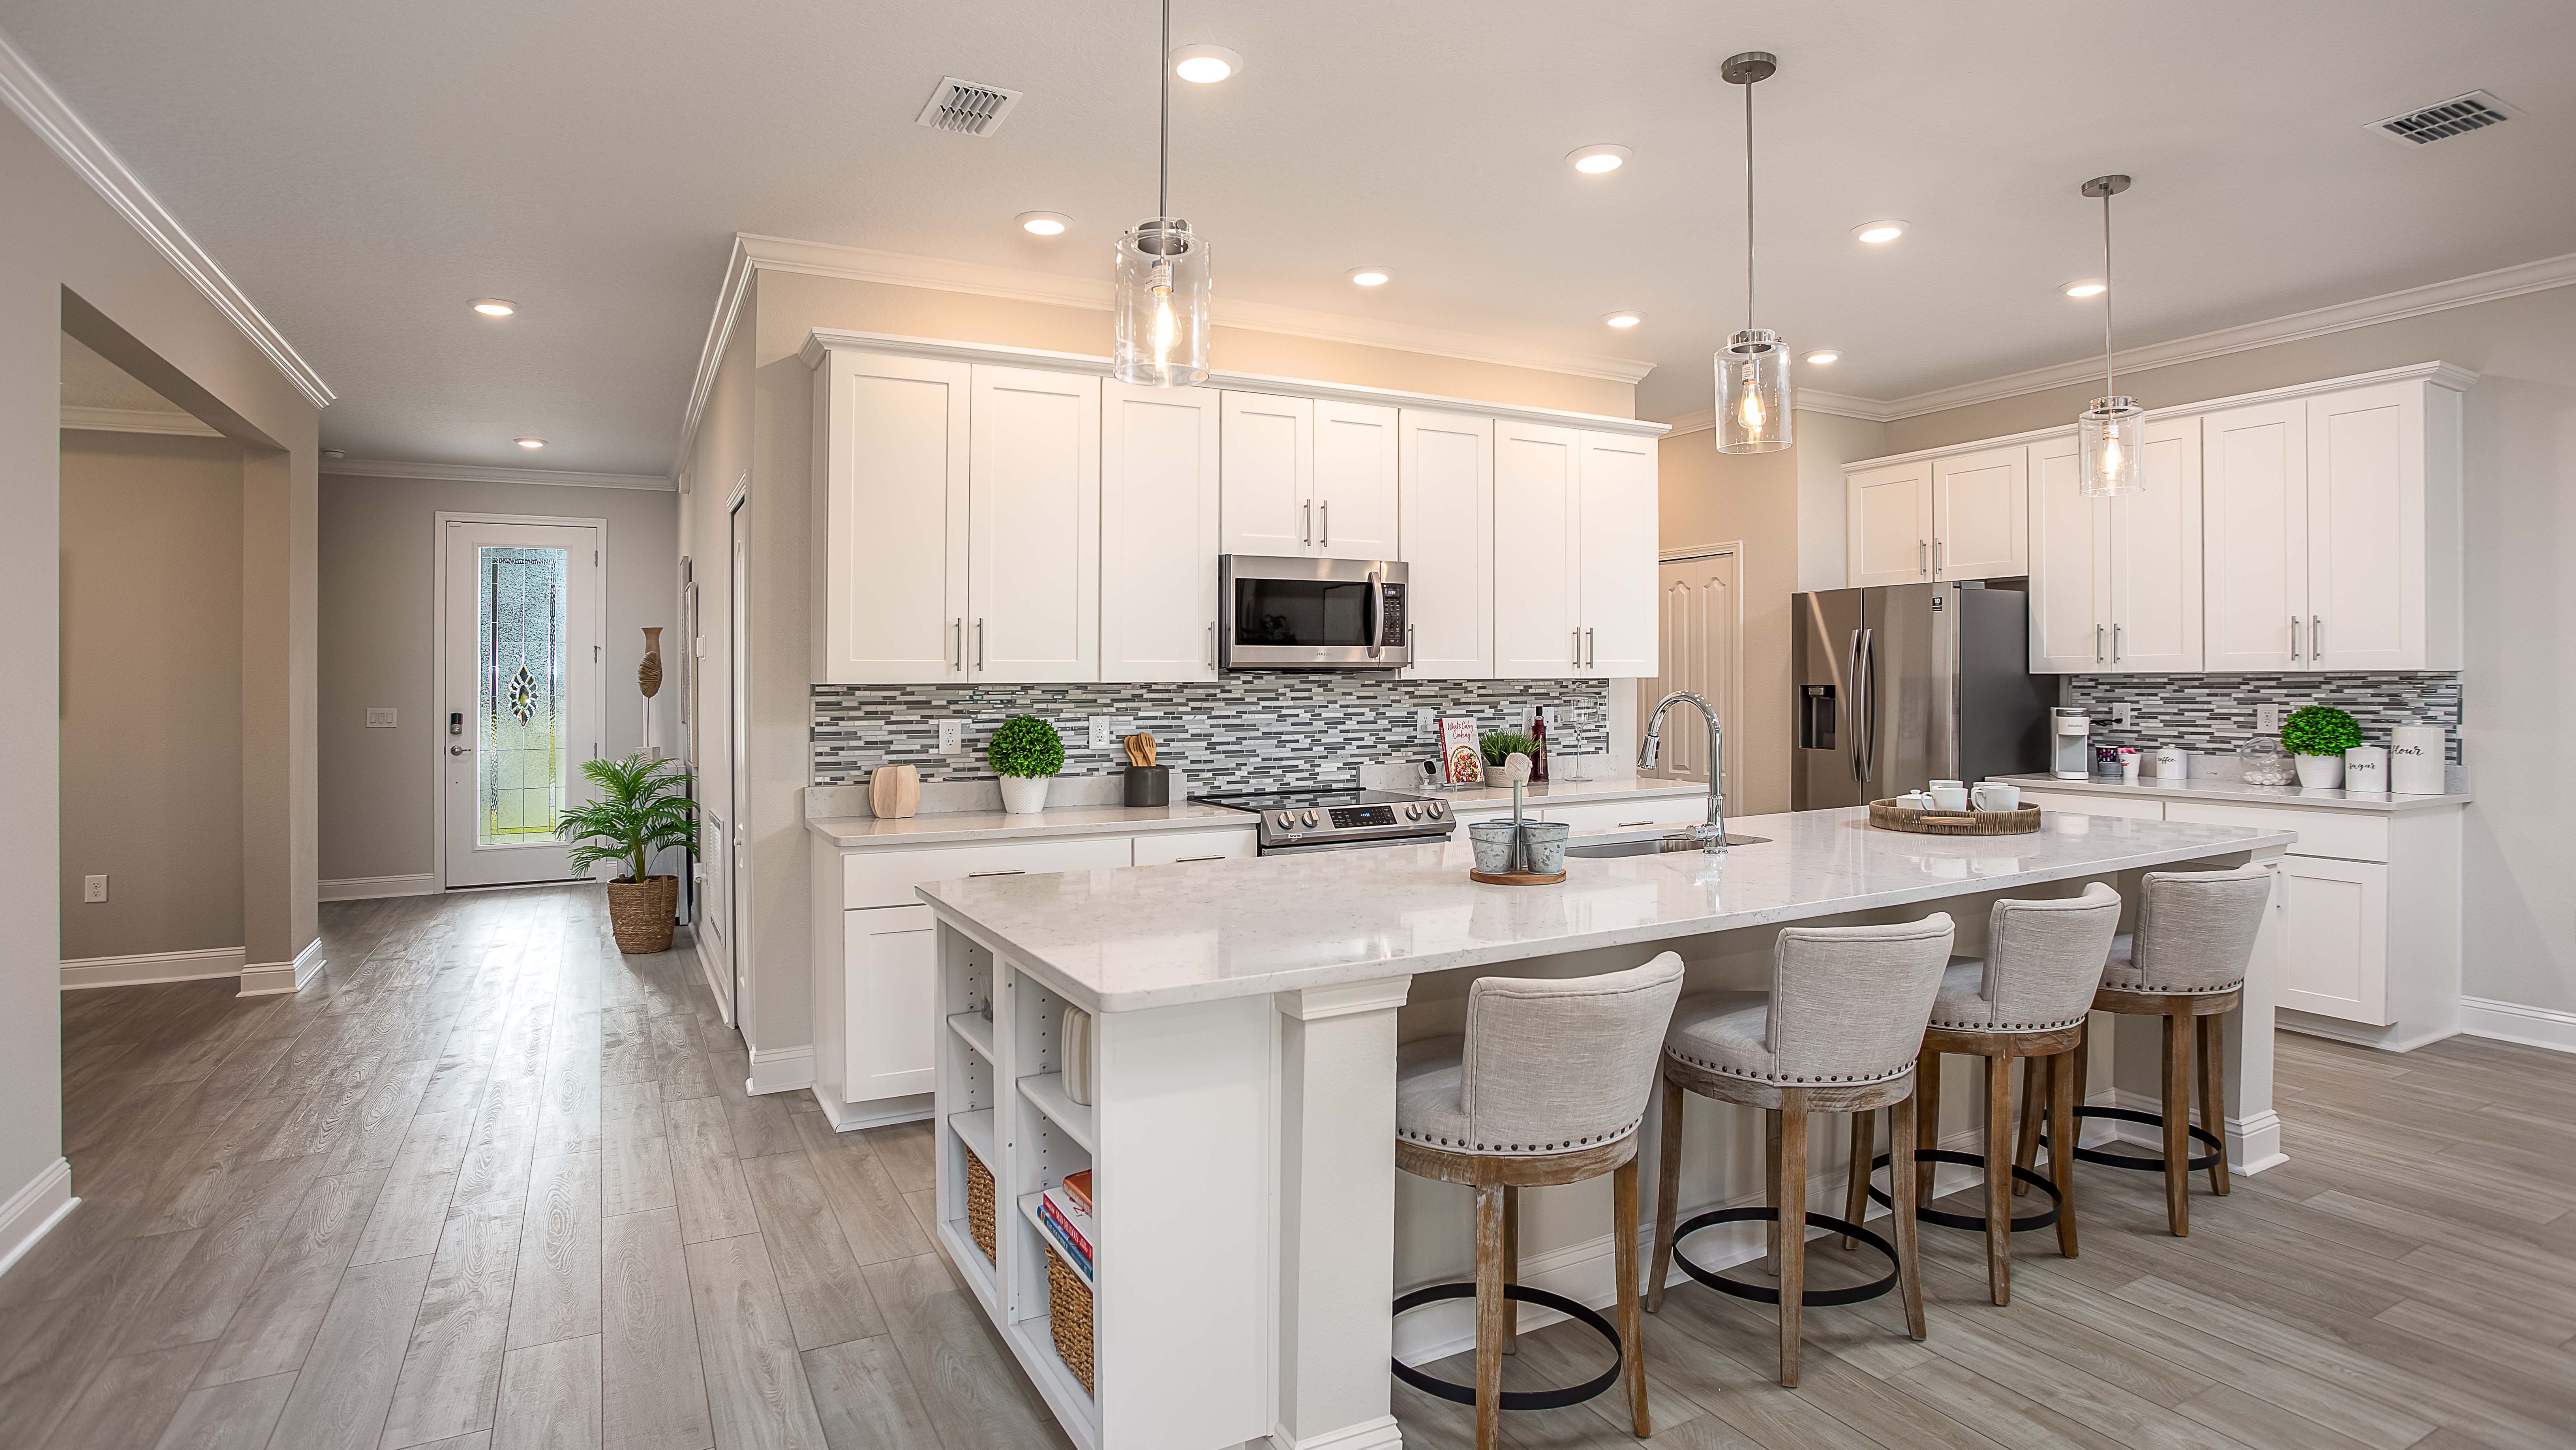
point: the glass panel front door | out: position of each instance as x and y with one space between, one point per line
520 684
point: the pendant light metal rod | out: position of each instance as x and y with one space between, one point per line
1748 207
2108 366
1163 181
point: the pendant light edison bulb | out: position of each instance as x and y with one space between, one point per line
1753 368
1162 280
2108 432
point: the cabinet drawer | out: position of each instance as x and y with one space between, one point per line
1589 817
2126 807
2338 834
886 878
1162 848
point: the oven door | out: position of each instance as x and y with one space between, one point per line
1285 612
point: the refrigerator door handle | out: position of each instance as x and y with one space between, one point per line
1864 745
1869 668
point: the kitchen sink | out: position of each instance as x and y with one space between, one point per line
1653 846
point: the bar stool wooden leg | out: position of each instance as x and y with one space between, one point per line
1489 1316
1927 1119
2177 1114
1632 1322
1792 1200
2036 1074
1772 1130
2213 1096
2061 1146
1999 1145
1900 1189
1668 1192
1511 1267
1856 1197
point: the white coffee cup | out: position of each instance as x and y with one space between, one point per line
1961 784
1995 795
1949 795
1914 800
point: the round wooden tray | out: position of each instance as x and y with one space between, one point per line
1889 816
1514 878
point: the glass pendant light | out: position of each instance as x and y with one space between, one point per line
1162 280
2108 432
1753 367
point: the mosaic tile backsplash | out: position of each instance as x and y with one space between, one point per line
2216 712
1245 731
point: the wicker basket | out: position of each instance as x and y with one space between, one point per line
1069 1316
1889 816
979 1204
642 913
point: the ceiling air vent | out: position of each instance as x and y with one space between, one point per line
2473 112
967 108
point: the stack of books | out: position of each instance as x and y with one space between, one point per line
1066 1211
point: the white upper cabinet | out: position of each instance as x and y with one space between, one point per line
2154 542
1158 532
1979 503
2367 555
2254 485
1446 464
1618 528
1538 562
890 520
1268 446
2070 575
1890 530
1355 481
1033 576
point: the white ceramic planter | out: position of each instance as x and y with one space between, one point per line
1025 795
2320 772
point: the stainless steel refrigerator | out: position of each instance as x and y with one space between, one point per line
1903 684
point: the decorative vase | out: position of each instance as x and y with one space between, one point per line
1024 795
2320 772
894 792
642 913
648 675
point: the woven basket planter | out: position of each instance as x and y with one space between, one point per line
1069 1317
642 913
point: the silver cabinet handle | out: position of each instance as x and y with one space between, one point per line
957 627
1591 650
1623 825
2294 636
1178 860
2316 639
1936 558
1921 556
2115 644
1308 536
2097 644
979 645
1211 644
971 875
1327 540
1578 649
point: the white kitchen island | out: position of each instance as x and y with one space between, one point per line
1251 1232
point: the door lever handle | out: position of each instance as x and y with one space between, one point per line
456 750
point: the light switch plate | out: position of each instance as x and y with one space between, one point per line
380 717
1547 713
952 736
2267 717
94 888
2122 713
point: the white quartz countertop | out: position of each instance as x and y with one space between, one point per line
2237 792
1156 936
953 827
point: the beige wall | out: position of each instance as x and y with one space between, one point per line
380 788
2519 684
70 263
151 692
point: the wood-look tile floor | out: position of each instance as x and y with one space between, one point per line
488 1184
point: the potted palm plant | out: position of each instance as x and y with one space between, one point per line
2318 736
640 808
1024 753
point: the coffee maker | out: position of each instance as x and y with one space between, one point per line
2070 752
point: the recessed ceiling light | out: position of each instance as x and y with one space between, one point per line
1822 356
494 307
1879 233
1368 276
530 442
1043 223
2089 287
1205 64
1623 319
1597 160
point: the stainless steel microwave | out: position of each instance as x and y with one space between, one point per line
1283 612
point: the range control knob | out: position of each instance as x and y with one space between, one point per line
1436 809
1308 818
1284 821
1413 813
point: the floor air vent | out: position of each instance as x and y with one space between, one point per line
2473 112
967 108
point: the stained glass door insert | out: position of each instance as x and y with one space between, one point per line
522 689
520 686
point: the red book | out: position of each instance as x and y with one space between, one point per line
1079 1186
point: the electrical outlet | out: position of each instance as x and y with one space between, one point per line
1548 714
1422 721
952 736
380 717
2267 717
2121 713
1107 729
93 888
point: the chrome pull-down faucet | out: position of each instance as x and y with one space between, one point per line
1711 836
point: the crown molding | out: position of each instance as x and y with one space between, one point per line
36 102
136 420
478 473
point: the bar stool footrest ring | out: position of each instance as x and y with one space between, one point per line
1974 1223
1458 1394
2139 1161
1765 1294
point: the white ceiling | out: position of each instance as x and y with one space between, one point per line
364 170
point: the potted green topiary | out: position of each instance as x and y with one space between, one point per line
1500 745
2318 736
642 807
1024 753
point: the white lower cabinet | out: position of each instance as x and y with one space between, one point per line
2334 949
1593 817
885 1023
1165 848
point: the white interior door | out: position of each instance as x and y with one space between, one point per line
1268 473
1356 508
1158 533
736 863
2366 529
2254 499
1033 536
1447 466
1701 628
2155 556
1979 503
1537 551
1890 529
1618 537
2069 540
521 691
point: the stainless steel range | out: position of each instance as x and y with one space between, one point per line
1337 818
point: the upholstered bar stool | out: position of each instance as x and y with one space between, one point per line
1547 1087
1836 1033
2186 964
2024 999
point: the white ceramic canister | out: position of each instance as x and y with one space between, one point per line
2415 756
2173 763
2365 769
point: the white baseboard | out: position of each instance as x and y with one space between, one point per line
268 979
372 888
2514 1022
1381 1433
134 971
2386 1039
33 1210
850 1117
780 1070
2253 1144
